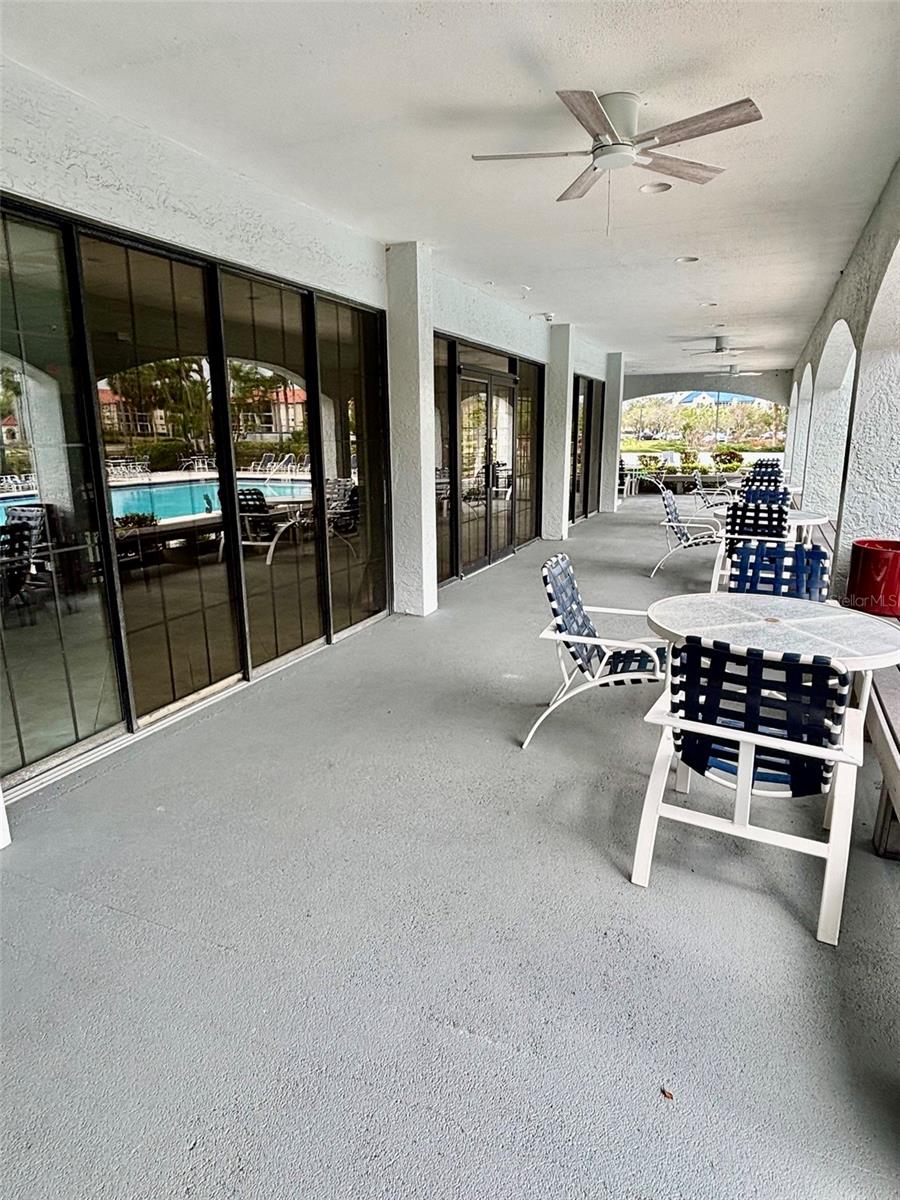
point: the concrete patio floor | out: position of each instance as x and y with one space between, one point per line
338 936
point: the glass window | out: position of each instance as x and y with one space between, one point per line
527 451
147 323
270 428
443 449
596 438
579 411
353 432
58 681
484 360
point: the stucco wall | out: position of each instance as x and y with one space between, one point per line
64 151
469 312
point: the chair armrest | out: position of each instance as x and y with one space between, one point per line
850 749
625 612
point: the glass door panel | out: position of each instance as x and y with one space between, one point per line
58 682
352 418
146 320
270 428
502 450
579 411
527 458
473 473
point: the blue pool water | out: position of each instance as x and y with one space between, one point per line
178 499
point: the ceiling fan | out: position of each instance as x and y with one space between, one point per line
612 120
722 347
731 369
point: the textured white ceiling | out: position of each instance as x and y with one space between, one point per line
369 112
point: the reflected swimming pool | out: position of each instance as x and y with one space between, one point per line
167 500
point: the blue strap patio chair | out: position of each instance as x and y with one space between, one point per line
748 523
685 534
762 493
760 724
709 497
599 661
780 569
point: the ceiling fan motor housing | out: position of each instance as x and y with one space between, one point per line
622 110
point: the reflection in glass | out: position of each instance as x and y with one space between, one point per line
527 458
484 360
473 405
147 325
502 467
58 681
353 430
267 393
443 448
596 437
576 499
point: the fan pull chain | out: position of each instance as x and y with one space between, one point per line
608 201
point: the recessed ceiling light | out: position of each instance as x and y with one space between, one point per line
653 189
686 258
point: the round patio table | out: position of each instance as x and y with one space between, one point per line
801 519
781 624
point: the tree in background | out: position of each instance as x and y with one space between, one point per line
177 387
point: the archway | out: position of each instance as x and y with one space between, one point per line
791 431
829 422
801 426
870 499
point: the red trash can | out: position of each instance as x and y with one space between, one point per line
874 582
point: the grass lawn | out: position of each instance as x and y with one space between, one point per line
633 446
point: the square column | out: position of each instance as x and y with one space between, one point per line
558 435
612 433
410 325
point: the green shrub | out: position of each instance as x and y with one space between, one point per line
649 462
726 458
166 456
689 460
135 520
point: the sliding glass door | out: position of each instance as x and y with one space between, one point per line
59 681
270 429
487 470
587 434
488 429
146 318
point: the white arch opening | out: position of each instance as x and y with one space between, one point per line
829 422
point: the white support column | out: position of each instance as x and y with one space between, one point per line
411 378
612 432
558 435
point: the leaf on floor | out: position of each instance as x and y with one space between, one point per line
667 1094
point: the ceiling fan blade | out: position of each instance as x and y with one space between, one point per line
587 109
582 185
548 154
741 112
678 168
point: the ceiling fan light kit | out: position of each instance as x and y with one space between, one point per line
612 120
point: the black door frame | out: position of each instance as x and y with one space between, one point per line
488 379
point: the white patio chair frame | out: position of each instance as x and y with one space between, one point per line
705 497
846 755
608 647
709 532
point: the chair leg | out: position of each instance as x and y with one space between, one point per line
5 837
829 805
842 797
662 560
560 698
682 778
656 789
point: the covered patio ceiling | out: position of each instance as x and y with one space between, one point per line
370 113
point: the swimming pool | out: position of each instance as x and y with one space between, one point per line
167 500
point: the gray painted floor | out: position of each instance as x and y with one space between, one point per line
338 936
